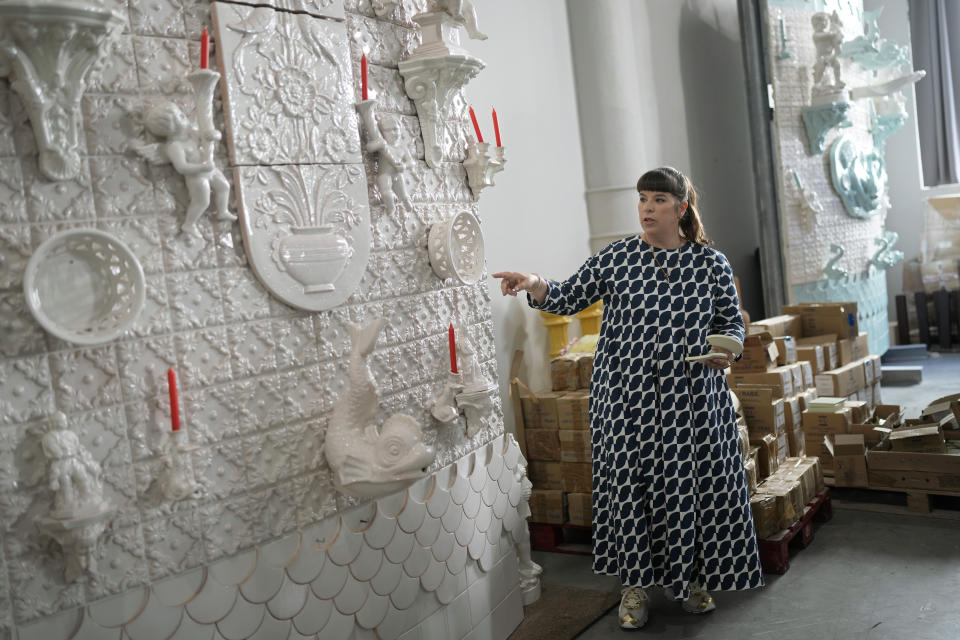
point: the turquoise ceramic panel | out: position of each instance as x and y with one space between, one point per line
872 51
868 289
859 177
820 119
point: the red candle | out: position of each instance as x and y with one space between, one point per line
204 50
453 350
174 405
363 76
476 127
496 128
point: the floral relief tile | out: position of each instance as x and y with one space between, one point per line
315 497
306 393
158 18
7 131
195 297
144 365
277 454
276 511
120 490
164 64
221 468
212 414
147 423
13 204
57 201
333 337
116 71
296 344
244 298
104 434
183 252
121 563
20 335
154 318
386 230
388 42
28 392
174 544
289 87
111 122
388 85
204 357
86 378
229 526
230 247
259 401
121 187
253 348
38 588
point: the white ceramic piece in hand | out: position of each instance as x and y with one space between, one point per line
394 160
706 356
84 286
732 345
368 461
456 248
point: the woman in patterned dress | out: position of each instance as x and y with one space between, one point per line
671 506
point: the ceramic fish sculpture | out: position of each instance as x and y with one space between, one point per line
368 461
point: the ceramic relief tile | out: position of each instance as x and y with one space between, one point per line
103 432
110 122
86 378
36 582
116 71
333 338
144 365
121 186
221 468
306 230
288 84
28 390
230 243
154 318
55 201
276 511
147 423
388 43
164 64
244 298
212 414
7 132
253 348
158 18
307 392
196 299
20 335
121 563
120 490
228 525
296 343
13 206
186 252
204 357
258 403
174 544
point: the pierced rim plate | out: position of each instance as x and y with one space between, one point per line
732 345
84 286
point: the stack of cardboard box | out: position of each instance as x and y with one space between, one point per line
557 431
779 501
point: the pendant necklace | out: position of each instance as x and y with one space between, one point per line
666 271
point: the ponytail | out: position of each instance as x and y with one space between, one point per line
691 227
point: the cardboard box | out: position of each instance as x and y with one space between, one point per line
816 447
750 468
819 424
818 318
859 411
565 373
783 447
543 444
891 414
530 405
841 381
792 414
813 356
577 477
789 497
767 460
826 342
765 518
759 354
877 368
585 364
763 413
580 509
926 439
782 325
850 471
575 445
906 470
548 505
795 442
572 410
786 350
872 433
780 378
545 475
848 444
850 349
548 409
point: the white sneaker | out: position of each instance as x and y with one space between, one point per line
633 608
699 601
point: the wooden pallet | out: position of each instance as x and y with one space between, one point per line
561 538
774 552
918 500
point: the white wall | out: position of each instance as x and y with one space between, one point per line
535 218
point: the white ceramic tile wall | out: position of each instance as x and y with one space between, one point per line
257 379
807 242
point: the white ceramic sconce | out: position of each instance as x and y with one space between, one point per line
80 515
394 160
476 399
368 461
46 49
444 408
176 481
456 248
434 73
482 162
189 148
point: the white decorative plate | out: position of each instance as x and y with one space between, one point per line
732 345
456 248
84 286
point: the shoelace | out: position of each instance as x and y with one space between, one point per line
633 598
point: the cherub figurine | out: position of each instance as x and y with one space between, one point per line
74 475
182 147
529 570
828 40
464 13
386 139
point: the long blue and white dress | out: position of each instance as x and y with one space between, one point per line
671 505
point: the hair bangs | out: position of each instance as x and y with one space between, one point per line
662 180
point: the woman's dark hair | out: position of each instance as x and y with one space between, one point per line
669 180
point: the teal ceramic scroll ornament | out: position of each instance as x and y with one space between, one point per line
859 178
831 269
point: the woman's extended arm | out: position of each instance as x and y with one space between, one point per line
562 298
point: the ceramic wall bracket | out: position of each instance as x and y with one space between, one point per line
886 256
483 161
394 160
820 119
831 270
183 140
456 248
80 514
433 74
368 461
177 481
46 49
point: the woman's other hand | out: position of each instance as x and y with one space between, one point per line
718 362
512 283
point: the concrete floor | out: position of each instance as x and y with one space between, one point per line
873 572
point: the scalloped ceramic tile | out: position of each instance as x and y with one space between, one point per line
120 609
289 600
373 612
473 505
465 532
243 616
331 580
352 596
427 533
214 601
272 629
157 621
387 578
263 583
457 560
449 588
346 546
314 615
452 518
501 505
178 590
235 569
306 566
477 545
431 578
443 546
438 502
399 547
90 630
380 531
406 592
338 626
367 563
412 515
58 627
190 629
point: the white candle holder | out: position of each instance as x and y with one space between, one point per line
46 49
444 408
394 160
177 481
482 162
476 399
